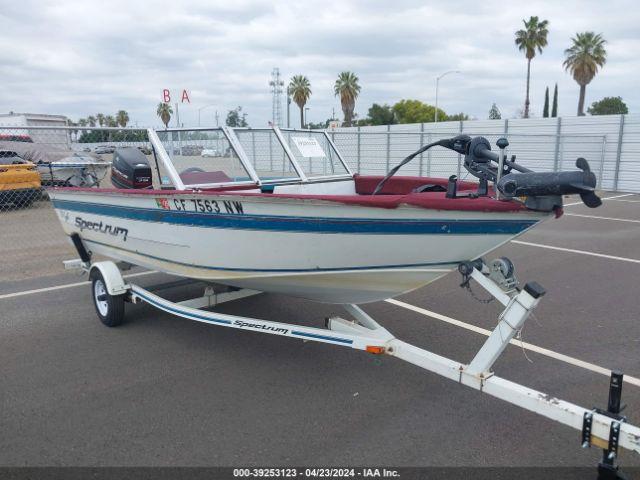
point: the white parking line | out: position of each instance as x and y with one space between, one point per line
626 201
571 250
528 346
602 218
62 287
607 198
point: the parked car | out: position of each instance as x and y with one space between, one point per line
192 150
19 180
144 149
15 138
210 152
104 149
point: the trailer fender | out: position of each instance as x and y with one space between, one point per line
113 278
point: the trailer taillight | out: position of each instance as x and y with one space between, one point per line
375 349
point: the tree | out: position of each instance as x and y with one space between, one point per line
300 90
379 115
494 113
583 59
608 106
110 121
533 37
415 111
348 89
122 118
164 111
545 110
456 117
554 108
92 120
100 117
235 118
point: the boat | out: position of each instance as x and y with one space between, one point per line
281 211
60 166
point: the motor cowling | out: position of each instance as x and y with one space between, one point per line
130 169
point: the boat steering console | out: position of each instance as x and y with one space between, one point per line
542 190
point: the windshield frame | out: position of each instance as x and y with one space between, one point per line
235 144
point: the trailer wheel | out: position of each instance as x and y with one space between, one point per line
110 308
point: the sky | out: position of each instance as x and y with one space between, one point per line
79 58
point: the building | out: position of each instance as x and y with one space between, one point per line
21 120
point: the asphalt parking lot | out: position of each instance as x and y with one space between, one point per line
161 390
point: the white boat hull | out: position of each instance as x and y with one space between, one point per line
318 250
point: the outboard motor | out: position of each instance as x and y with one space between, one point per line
130 169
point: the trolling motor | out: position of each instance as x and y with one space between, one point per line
542 190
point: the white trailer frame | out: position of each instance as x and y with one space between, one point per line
364 333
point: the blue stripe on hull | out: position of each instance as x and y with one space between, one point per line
302 224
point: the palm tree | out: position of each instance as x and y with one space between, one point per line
532 38
92 120
122 118
300 90
583 59
100 117
348 89
110 121
164 111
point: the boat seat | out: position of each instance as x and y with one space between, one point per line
195 176
429 187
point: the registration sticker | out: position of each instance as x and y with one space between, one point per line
163 203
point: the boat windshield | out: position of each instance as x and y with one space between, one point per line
315 153
202 157
266 154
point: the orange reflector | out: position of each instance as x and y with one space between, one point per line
375 349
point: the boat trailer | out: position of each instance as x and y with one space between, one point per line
606 429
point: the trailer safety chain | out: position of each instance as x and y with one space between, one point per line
466 284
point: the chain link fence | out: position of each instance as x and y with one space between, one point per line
34 158
31 160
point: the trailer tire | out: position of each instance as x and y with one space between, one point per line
110 308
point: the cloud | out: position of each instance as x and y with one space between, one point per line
81 57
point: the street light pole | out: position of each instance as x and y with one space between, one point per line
202 108
435 115
288 108
306 123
